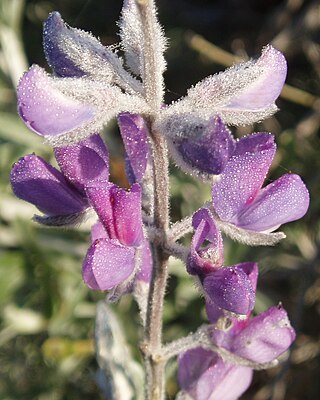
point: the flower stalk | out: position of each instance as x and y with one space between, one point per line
133 237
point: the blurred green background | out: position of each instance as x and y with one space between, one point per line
46 312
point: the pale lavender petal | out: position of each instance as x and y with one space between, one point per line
205 259
127 214
191 365
266 89
36 181
230 289
134 133
207 152
226 381
285 200
107 264
205 376
44 109
85 162
265 337
243 176
243 94
54 31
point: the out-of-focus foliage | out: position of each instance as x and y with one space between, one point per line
47 314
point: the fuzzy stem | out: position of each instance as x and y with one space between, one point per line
153 330
153 93
201 338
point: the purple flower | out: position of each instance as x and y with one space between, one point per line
119 211
204 148
85 93
205 259
238 198
265 337
243 94
84 163
119 250
203 374
110 265
242 297
228 289
36 181
60 195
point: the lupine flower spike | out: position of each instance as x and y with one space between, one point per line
132 233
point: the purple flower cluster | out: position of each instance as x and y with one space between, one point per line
90 85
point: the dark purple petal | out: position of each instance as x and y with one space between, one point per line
36 181
119 211
265 337
243 176
230 289
75 53
54 31
85 162
205 259
134 133
107 264
207 152
205 376
285 200
45 109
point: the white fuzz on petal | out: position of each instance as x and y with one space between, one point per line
241 95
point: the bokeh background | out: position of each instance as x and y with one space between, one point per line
46 312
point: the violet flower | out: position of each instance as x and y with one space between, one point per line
37 182
87 91
89 86
229 289
84 163
204 148
116 254
60 195
239 200
204 375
